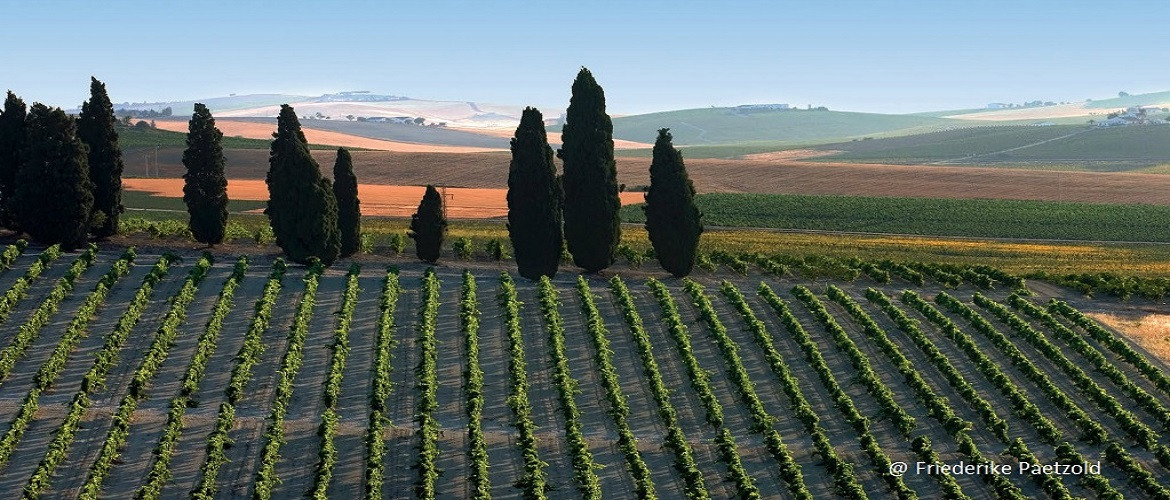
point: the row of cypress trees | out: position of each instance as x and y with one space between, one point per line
310 216
60 176
585 200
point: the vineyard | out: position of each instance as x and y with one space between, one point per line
129 374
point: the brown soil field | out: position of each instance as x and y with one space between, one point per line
490 170
1151 331
250 130
377 199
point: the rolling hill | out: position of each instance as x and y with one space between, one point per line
730 125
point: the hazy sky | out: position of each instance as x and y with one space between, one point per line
883 56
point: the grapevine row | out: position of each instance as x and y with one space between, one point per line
701 383
903 272
844 480
1098 360
327 456
1025 407
160 471
700 379
583 466
481 485
47 374
761 420
618 409
11 252
995 423
290 364
1091 431
841 400
534 480
951 489
247 357
428 385
676 440
1145 436
375 445
1113 343
68 430
119 431
20 288
865 374
937 405
31 328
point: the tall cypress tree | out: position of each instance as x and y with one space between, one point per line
428 226
672 219
54 194
534 200
95 127
12 137
301 206
592 224
205 185
349 211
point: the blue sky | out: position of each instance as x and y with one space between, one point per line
881 56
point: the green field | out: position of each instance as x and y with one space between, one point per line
942 217
138 138
138 200
1133 100
1074 147
727 125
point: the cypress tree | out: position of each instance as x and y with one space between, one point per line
428 226
54 194
349 211
12 137
95 127
534 200
205 186
672 219
301 207
591 204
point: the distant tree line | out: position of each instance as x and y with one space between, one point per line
144 113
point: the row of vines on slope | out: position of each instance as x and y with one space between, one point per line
290 365
676 440
375 445
583 465
246 358
160 471
47 374
761 420
327 456
700 381
152 360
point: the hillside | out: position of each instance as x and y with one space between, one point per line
1153 98
1062 146
729 125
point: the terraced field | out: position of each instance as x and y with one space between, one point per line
132 375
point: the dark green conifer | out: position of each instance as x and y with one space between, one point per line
301 206
53 191
205 185
591 203
672 219
534 200
11 143
95 127
349 211
428 226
